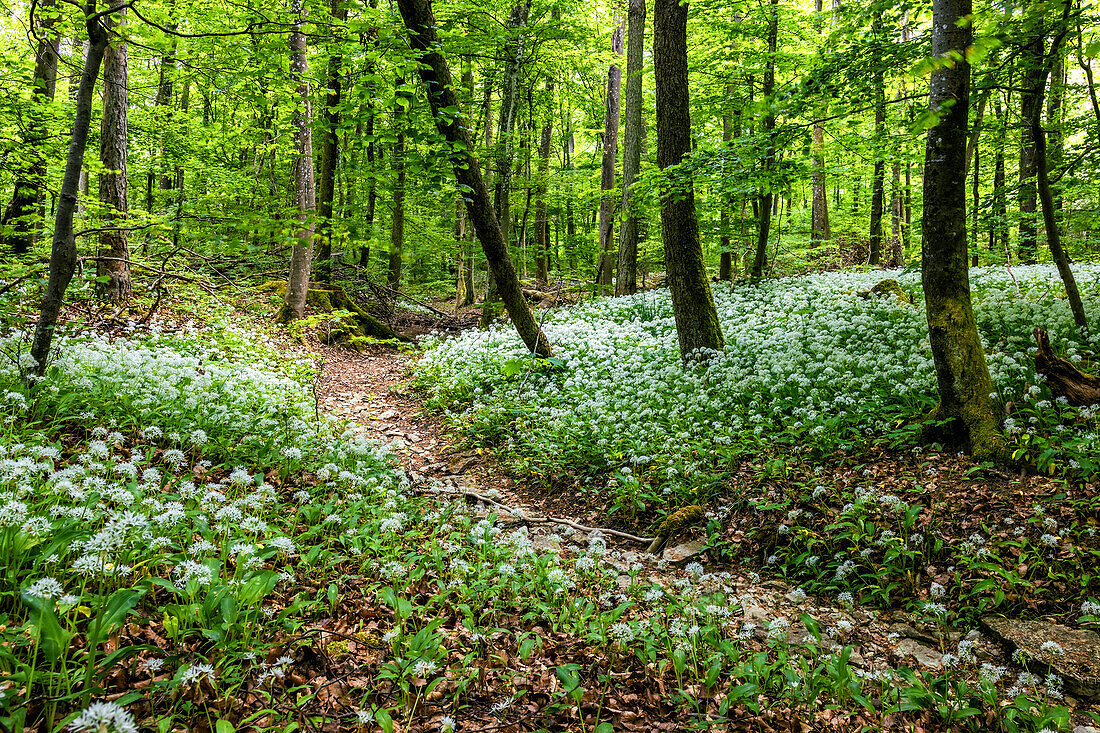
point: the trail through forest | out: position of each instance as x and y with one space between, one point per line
373 389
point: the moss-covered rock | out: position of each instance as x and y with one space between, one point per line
889 287
678 520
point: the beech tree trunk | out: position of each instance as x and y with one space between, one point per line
301 173
961 370
330 154
421 23
514 52
626 282
113 139
819 211
1031 103
20 224
767 197
610 156
542 219
878 177
63 250
697 326
397 160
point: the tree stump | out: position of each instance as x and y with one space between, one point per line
1064 379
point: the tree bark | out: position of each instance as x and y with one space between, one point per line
397 160
697 326
626 282
419 19
113 137
514 52
63 250
964 415
305 197
20 224
767 197
878 177
1031 103
330 154
819 211
610 156
542 219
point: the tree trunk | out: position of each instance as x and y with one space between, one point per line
63 251
20 224
874 254
112 154
725 257
397 160
819 212
1031 103
1064 379
961 371
610 156
514 52
421 23
697 324
626 282
301 174
766 200
542 219
1038 141
330 154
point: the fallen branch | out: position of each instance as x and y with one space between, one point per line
519 514
18 280
1064 378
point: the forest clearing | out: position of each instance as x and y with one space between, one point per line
539 366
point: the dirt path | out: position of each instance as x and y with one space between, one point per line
373 389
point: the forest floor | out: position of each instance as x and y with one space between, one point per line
374 390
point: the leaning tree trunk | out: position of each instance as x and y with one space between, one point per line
610 156
626 282
964 415
305 199
114 245
418 18
1050 222
63 251
697 326
30 164
1063 378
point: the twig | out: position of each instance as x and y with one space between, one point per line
18 280
523 516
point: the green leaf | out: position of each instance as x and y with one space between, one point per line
224 726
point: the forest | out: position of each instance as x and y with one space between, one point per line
590 366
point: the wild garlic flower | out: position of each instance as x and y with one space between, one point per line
104 717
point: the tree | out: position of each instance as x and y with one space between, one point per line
397 159
765 201
305 201
114 248
63 248
697 324
330 152
819 216
610 156
436 75
18 224
626 282
964 415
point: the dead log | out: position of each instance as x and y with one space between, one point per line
1064 379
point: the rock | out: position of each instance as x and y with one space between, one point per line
1078 664
683 552
925 656
460 465
756 615
623 581
546 543
1085 729
623 561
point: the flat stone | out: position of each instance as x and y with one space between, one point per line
546 543
1085 729
460 465
1079 663
756 615
683 552
625 561
925 656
